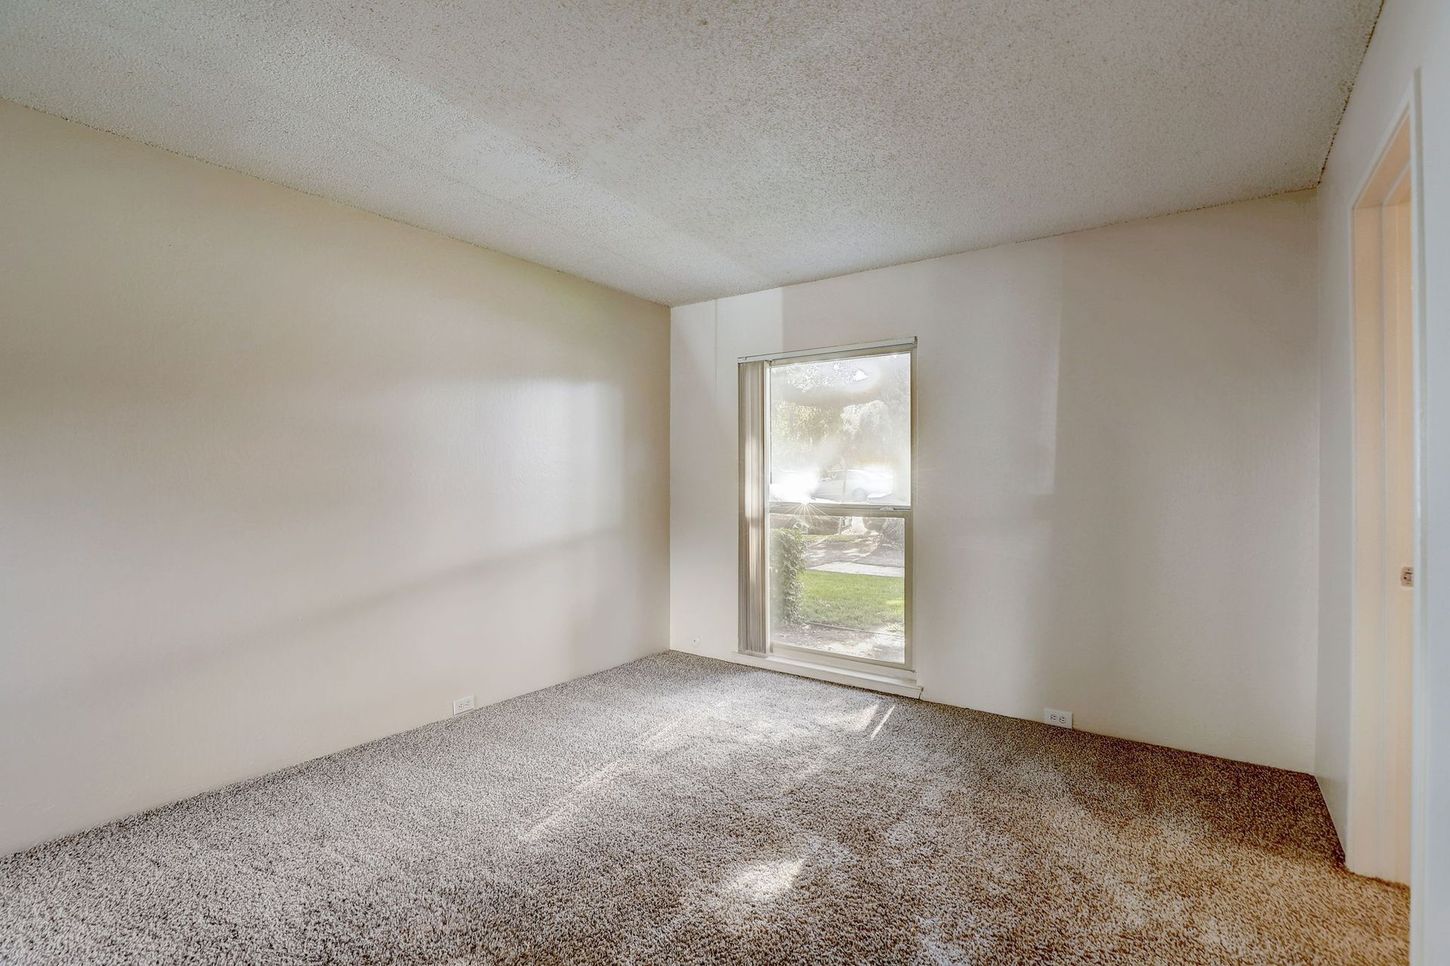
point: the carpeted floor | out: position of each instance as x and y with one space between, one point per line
682 810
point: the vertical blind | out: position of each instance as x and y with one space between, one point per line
752 507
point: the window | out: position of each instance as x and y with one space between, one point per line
826 459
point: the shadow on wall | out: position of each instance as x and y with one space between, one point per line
220 581
281 476
285 513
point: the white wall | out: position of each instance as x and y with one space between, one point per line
1412 35
1116 486
278 476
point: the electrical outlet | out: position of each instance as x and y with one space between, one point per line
461 705
1062 719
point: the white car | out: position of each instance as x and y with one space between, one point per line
872 484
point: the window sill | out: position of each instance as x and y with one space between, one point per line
905 686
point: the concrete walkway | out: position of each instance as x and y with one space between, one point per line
849 567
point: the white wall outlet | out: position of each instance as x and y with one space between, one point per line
1062 719
461 705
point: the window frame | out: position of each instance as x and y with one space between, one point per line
865 510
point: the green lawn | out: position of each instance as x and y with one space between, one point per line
861 601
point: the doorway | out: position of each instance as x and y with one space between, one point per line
1386 514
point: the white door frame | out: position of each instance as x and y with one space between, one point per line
1373 843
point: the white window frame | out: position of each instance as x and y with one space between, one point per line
756 507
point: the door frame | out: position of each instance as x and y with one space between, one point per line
1373 799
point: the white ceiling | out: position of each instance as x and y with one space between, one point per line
684 150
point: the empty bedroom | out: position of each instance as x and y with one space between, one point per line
824 481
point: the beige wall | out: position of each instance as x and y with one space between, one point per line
1408 50
278 476
1116 479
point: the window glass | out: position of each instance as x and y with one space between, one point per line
838 584
840 430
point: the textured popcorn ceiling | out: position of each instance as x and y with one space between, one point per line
682 151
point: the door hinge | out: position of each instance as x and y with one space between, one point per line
1407 576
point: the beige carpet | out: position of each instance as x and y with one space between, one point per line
681 810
